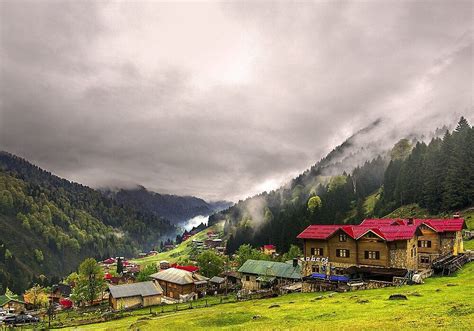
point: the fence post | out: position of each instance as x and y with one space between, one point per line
176 307
206 302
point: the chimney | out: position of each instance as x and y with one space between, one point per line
410 221
295 262
456 215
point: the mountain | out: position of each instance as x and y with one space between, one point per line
176 209
355 181
49 224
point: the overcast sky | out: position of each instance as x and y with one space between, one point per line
222 100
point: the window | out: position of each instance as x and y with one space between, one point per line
372 255
342 237
315 268
247 278
413 251
424 259
316 251
424 243
342 253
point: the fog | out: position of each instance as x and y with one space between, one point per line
224 100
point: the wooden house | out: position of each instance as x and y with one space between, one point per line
59 291
141 294
269 249
379 248
12 303
217 284
177 282
258 274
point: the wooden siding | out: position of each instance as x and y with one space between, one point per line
316 244
173 290
251 284
375 244
334 244
428 234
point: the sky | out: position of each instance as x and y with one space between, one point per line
223 100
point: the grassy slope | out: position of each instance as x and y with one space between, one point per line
431 306
181 251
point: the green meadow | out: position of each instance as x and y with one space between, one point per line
440 303
182 251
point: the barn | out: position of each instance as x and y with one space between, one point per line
141 294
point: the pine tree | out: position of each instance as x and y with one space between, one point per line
455 189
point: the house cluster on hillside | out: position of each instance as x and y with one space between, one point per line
378 249
129 273
211 242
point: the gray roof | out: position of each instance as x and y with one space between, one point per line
217 280
178 276
270 268
143 289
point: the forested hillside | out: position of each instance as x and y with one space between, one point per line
48 225
176 209
438 176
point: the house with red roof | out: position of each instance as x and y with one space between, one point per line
379 248
269 249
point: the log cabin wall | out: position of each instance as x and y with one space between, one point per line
373 251
341 241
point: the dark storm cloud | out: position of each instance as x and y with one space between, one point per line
222 100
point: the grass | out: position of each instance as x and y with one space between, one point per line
370 201
440 303
412 210
182 251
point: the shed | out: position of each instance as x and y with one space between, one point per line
257 274
141 294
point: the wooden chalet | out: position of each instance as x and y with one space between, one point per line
258 274
378 248
269 249
141 294
177 282
12 303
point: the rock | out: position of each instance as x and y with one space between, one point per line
416 294
398 297
362 301
331 294
319 297
274 306
256 316
291 302
438 290
451 284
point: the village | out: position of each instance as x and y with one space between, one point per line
376 253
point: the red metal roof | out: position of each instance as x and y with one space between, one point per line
318 231
269 247
189 268
387 229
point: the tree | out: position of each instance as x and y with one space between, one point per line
314 203
210 264
292 253
36 296
38 255
144 274
247 252
119 266
90 282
